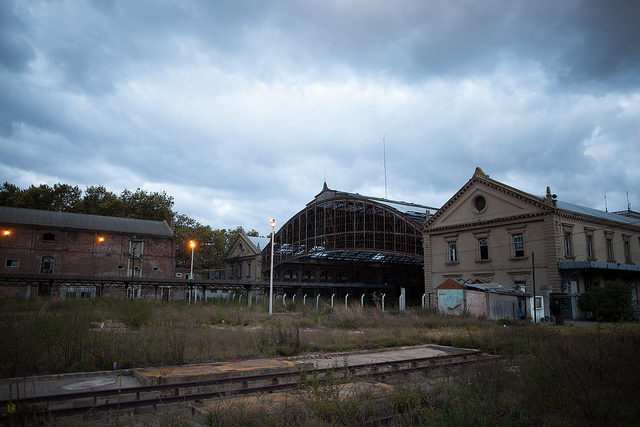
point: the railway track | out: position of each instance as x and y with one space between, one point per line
126 398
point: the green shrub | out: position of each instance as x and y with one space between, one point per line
610 303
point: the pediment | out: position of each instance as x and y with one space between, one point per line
242 247
483 201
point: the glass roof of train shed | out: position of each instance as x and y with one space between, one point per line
340 226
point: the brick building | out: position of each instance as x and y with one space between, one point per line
37 242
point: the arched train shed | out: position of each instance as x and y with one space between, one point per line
353 240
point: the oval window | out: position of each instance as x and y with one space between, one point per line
480 203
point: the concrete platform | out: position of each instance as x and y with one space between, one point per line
398 354
46 385
187 373
15 388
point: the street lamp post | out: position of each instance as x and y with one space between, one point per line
192 243
272 222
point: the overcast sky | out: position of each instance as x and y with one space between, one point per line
241 110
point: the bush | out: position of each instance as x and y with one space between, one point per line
610 303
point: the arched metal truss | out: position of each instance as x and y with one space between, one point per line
347 237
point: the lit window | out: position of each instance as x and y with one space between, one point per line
453 254
518 245
15 263
483 249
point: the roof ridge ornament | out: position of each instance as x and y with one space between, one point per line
550 199
479 173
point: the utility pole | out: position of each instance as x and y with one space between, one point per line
533 273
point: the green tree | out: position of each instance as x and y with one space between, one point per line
187 229
100 201
65 197
9 194
151 206
610 302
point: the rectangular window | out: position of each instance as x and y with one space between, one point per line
46 266
15 263
453 254
248 269
627 252
518 245
538 302
590 247
48 237
483 249
610 250
568 252
136 248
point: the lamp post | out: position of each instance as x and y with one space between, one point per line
192 244
272 222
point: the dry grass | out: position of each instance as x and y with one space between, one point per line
549 375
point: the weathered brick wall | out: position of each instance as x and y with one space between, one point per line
79 252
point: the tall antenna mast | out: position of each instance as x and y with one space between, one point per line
384 158
628 203
605 203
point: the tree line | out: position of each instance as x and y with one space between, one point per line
213 244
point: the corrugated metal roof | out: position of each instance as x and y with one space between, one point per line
259 242
83 221
597 213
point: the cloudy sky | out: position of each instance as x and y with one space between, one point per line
242 109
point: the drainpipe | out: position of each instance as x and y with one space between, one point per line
362 300
304 300
346 297
383 295
284 299
332 295
424 296
317 301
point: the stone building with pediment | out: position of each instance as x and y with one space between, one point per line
243 260
491 232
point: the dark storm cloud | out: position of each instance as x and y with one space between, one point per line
242 108
15 51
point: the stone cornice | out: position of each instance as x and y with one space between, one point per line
595 220
484 179
480 224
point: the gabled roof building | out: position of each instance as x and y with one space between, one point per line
243 259
492 232
40 242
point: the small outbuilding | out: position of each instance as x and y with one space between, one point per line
488 300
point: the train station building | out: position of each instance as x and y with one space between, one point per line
342 239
